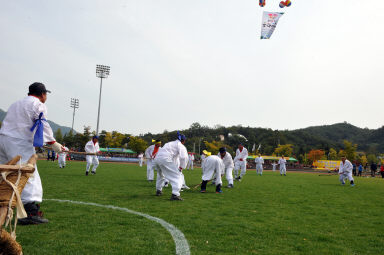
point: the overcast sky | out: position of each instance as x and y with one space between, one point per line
175 62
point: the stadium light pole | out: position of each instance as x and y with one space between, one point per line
102 72
74 105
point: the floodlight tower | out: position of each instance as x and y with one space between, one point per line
102 72
74 105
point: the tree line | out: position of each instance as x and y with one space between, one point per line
306 145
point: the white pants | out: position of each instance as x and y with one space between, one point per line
228 175
92 160
61 160
190 165
167 169
11 147
150 170
182 179
208 173
141 162
283 170
273 168
240 165
158 177
344 176
259 169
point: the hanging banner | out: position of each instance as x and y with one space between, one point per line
269 23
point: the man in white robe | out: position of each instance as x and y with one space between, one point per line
259 165
228 165
213 166
167 166
240 162
24 127
345 171
92 147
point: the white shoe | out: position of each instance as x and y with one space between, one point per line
185 187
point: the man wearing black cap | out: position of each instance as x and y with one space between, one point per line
228 164
25 127
92 147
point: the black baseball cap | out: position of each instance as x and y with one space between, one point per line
37 88
222 149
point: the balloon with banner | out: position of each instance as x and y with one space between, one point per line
269 23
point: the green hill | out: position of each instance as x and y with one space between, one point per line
303 140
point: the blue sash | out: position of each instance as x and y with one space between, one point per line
38 139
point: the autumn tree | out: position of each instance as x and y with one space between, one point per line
333 154
113 139
363 160
350 150
137 144
315 155
285 150
214 147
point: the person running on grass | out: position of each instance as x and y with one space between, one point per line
259 164
240 162
345 171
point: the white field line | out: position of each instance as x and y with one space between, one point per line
182 247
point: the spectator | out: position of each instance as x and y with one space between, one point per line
360 169
382 171
373 169
354 169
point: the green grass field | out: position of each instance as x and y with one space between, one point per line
297 214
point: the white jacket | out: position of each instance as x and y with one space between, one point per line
227 160
346 167
20 118
174 151
243 154
282 162
213 162
90 147
149 151
259 160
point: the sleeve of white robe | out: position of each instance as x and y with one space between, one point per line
148 152
245 154
221 167
183 156
48 133
237 155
